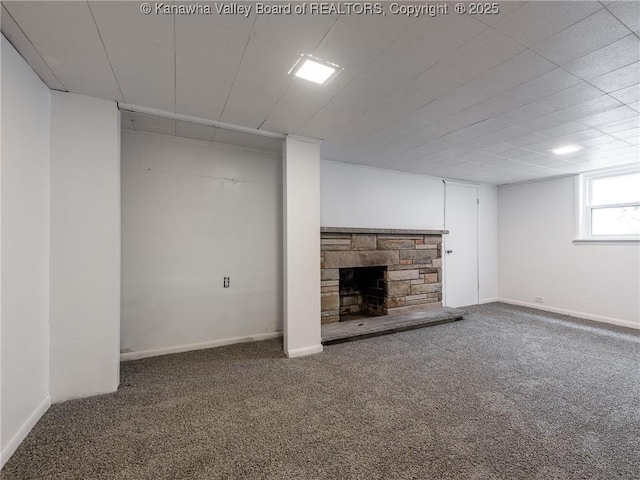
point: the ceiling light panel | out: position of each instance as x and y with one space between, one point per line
315 70
566 149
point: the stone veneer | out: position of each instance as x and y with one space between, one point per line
413 259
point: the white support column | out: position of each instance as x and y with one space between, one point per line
84 246
301 203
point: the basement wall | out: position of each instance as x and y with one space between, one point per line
367 197
85 246
193 213
24 250
538 259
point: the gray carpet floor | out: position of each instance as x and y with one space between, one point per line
507 393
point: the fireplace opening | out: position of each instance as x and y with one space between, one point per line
362 292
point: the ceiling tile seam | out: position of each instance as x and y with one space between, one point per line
623 24
290 80
104 48
235 76
34 49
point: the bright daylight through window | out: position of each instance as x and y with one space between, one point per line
610 205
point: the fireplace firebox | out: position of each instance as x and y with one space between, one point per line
362 292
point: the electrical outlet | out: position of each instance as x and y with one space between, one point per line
538 299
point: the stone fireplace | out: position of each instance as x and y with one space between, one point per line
370 272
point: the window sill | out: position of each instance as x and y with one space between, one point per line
617 241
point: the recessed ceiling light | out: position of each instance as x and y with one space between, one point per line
565 149
315 70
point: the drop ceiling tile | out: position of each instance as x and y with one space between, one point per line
583 38
598 141
389 27
631 136
350 47
506 8
393 108
307 30
124 19
624 125
145 74
528 139
552 82
576 94
487 50
502 103
302 101
436 37
515 71
73 52
628 12
221 49
607 59
194 131
562 130
238 23
535 21
21 43
200 91
261 80
364 92
618 79
437 80
398 66
77 12
153 124
483 127
524 114
627 95
611 116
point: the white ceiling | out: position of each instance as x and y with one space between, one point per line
482 98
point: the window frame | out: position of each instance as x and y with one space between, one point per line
585 208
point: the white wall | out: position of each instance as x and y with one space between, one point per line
192 213
85 246
537 257
365 197
357 196
302 335
25 249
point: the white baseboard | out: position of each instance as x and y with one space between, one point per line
128 356
24 430
587 316
489 300
302 352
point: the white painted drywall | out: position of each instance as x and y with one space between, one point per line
192 213
488 243
538 259
301 172
25 249
358 196
85 246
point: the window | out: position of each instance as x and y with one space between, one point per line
610 205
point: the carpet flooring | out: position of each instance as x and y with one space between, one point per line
506 393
